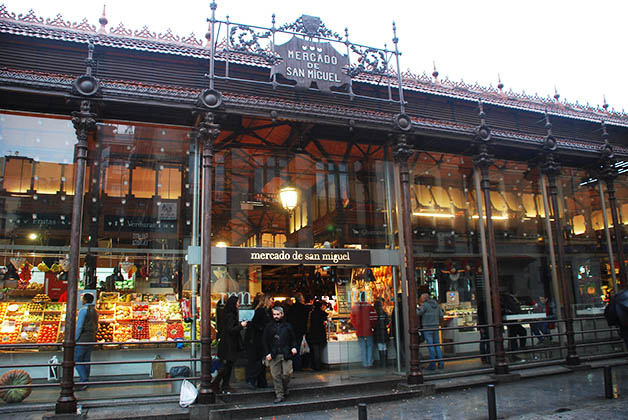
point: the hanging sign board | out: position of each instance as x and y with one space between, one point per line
299 256
306 62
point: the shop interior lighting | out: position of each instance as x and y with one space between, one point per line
221 244
439 215
492 217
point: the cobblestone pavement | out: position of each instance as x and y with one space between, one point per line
576 395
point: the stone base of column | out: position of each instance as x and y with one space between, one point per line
572 360
422 389
199 411
578 367
65 416
506 377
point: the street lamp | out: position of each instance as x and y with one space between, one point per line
289 197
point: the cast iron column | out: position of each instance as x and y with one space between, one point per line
483 161
608 172
551 169
84 122
208 132
402 152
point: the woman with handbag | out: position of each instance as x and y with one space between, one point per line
229 328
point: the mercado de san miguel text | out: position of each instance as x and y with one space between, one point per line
164 174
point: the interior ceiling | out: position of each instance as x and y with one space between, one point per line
271 154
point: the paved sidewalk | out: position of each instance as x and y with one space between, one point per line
570 396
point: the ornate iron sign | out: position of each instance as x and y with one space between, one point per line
300 256
308 62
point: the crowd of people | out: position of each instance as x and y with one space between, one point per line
280 337
290 336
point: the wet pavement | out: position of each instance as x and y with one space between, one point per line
575 395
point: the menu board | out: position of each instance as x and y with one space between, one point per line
343 298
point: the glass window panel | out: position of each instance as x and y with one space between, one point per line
116 181
143 182
18 173
169 183
47 177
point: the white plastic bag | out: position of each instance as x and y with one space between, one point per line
188 394
305 348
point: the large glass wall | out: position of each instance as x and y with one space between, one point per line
447 245
138 221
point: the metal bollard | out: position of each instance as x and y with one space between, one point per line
362 411
608 382
492 408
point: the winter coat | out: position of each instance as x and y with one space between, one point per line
317 333
363 318
279 338
381 327
255 328
431 314
229 336
297 316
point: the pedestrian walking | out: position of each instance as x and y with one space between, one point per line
280 346
229 328
86 327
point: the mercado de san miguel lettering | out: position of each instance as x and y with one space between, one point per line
165 173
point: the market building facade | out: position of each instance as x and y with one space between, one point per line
165 174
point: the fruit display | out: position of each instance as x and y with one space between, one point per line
157 312
29 333
157 331
187 329
121 319
52 316
48 333
8 338
55 307
41 298
105 331
33 307
33 317
175 331
122 333
140 329
174 311
123 312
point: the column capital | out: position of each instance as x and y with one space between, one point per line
401 149
84 121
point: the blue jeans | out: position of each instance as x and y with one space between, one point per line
83 354
432 337
366 348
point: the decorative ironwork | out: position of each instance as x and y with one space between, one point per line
311 26
246 40
370 60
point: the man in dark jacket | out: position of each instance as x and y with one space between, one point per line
280 345
297 315
86 326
